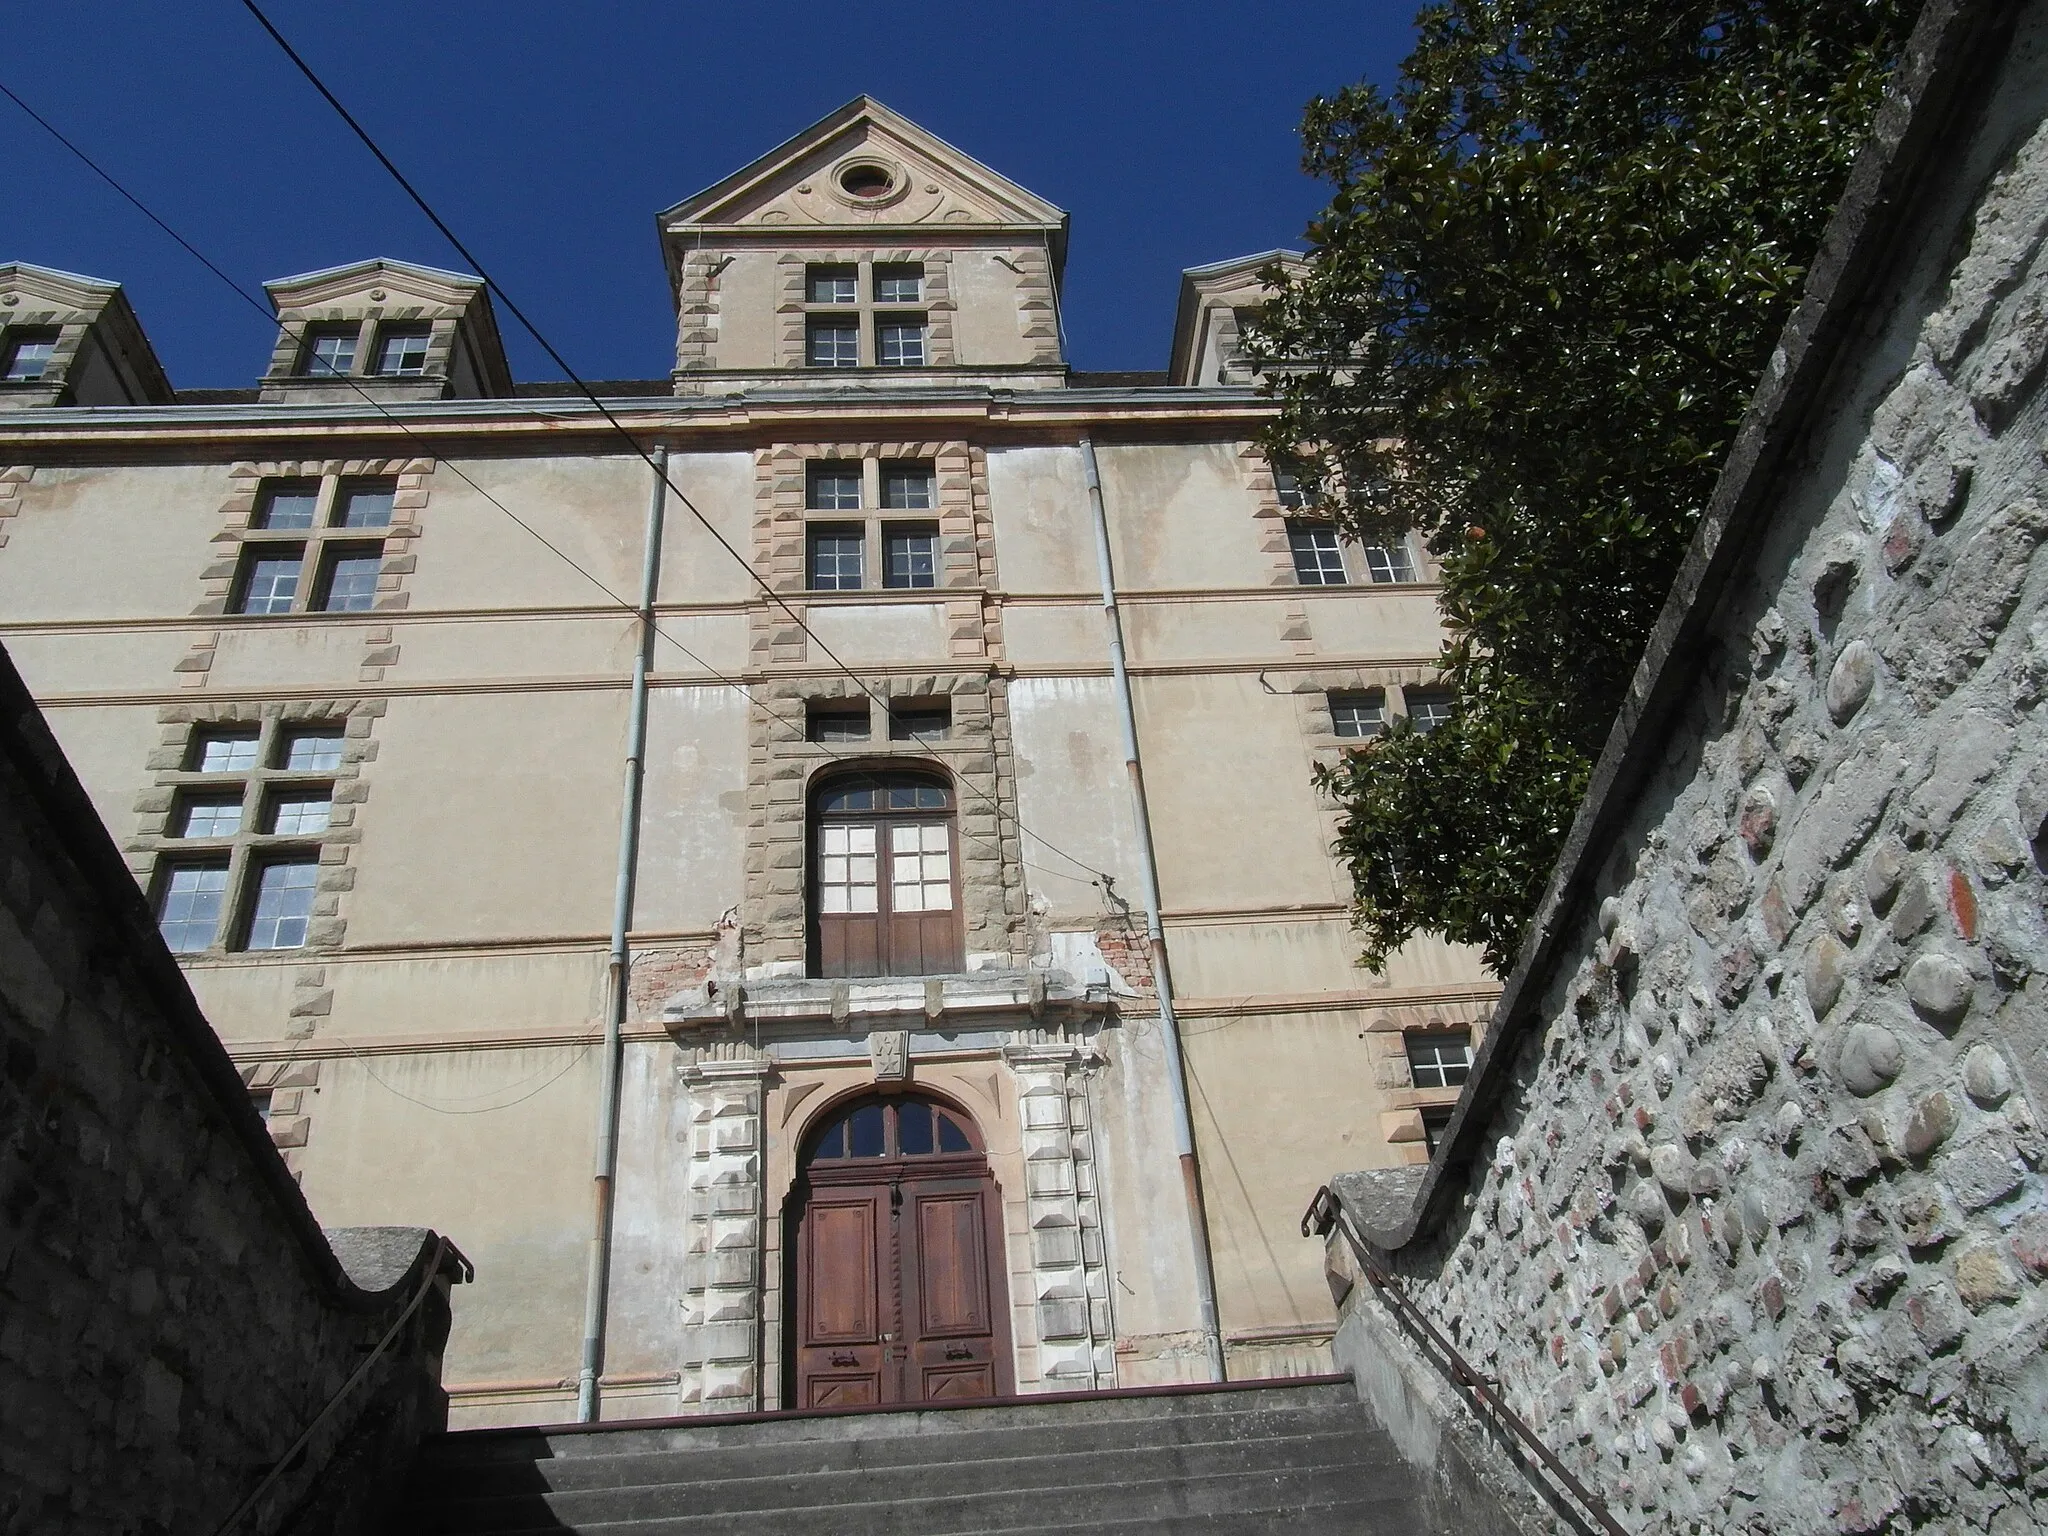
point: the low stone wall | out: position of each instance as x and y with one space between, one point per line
1745 1208
171 1318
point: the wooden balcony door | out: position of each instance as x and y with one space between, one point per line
898 1276
885 878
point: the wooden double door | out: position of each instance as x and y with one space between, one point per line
898 1261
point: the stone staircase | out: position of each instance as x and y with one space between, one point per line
1297 1456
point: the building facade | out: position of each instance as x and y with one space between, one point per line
347 661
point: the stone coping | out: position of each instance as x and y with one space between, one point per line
1955 45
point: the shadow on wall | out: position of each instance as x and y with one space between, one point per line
182 1346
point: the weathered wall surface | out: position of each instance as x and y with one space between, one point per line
170 1317
1760 1240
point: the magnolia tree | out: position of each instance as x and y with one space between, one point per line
1554 261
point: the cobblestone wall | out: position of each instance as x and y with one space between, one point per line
1759 1235
170 1317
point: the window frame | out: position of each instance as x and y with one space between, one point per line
815 532
390 332
318 547
818 326
894 932
825 718
1395 559
308 361
908 323
1357 700
894 533
1305 536
19 339
1435 708
1426 1052
866 311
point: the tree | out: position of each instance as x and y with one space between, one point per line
1554 262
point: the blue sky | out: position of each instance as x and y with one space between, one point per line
549 135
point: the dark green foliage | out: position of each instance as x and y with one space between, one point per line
1549 277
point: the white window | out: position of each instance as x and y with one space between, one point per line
270 580
210 816
899 341
1427 710
283 909
1358 714
846 869
188 905
330 352
349 582
365 505
1318 558
910 556
899 285
909 487
223 751
300 811
289 505
28 355
310 749
832 342
1391 563
921 868
833 486
402 351
831 284
1440 1059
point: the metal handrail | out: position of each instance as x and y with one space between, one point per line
442 1248
1325 1212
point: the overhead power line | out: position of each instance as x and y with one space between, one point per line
1096 877
575 378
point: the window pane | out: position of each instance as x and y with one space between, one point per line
189 899
1439 1060
920 724
846 800
402 352
835 560
1427 711
1286 488
908 487
330 353
912 558
223 751
270 581
300 811
864 1131
831 284
210 816
837 724
284 904
833 343
312 749
1318 561
1358 714
28 356
913 1129
832 1144
900 343
1393 563
289 505
365 506
899 285
833 487
951 1137
351 584
1434 1123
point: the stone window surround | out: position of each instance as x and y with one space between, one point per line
1312 692
1271 517
288 1084
319 544
154 807
71 326
783 548
1401 1102
786 766
796 309
245 486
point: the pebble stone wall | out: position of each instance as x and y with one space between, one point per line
1762 1243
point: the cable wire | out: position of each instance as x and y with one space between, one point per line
1103 880
605 411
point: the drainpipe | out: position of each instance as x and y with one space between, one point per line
1155 932
597 1282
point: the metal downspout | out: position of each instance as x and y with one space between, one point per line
597 1280
1155 931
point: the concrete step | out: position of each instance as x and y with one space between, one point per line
446 1478
1299 1495
564 1441
686 1490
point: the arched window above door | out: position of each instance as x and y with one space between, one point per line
884 877
890 1129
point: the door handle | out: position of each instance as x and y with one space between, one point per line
842 1358
958 1352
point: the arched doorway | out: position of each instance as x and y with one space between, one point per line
885 883
898 1259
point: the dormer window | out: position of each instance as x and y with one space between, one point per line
28 353
330 351
402 351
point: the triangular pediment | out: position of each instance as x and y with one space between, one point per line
865 166
65 290
340 285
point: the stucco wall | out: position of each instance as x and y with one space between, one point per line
1759 1235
